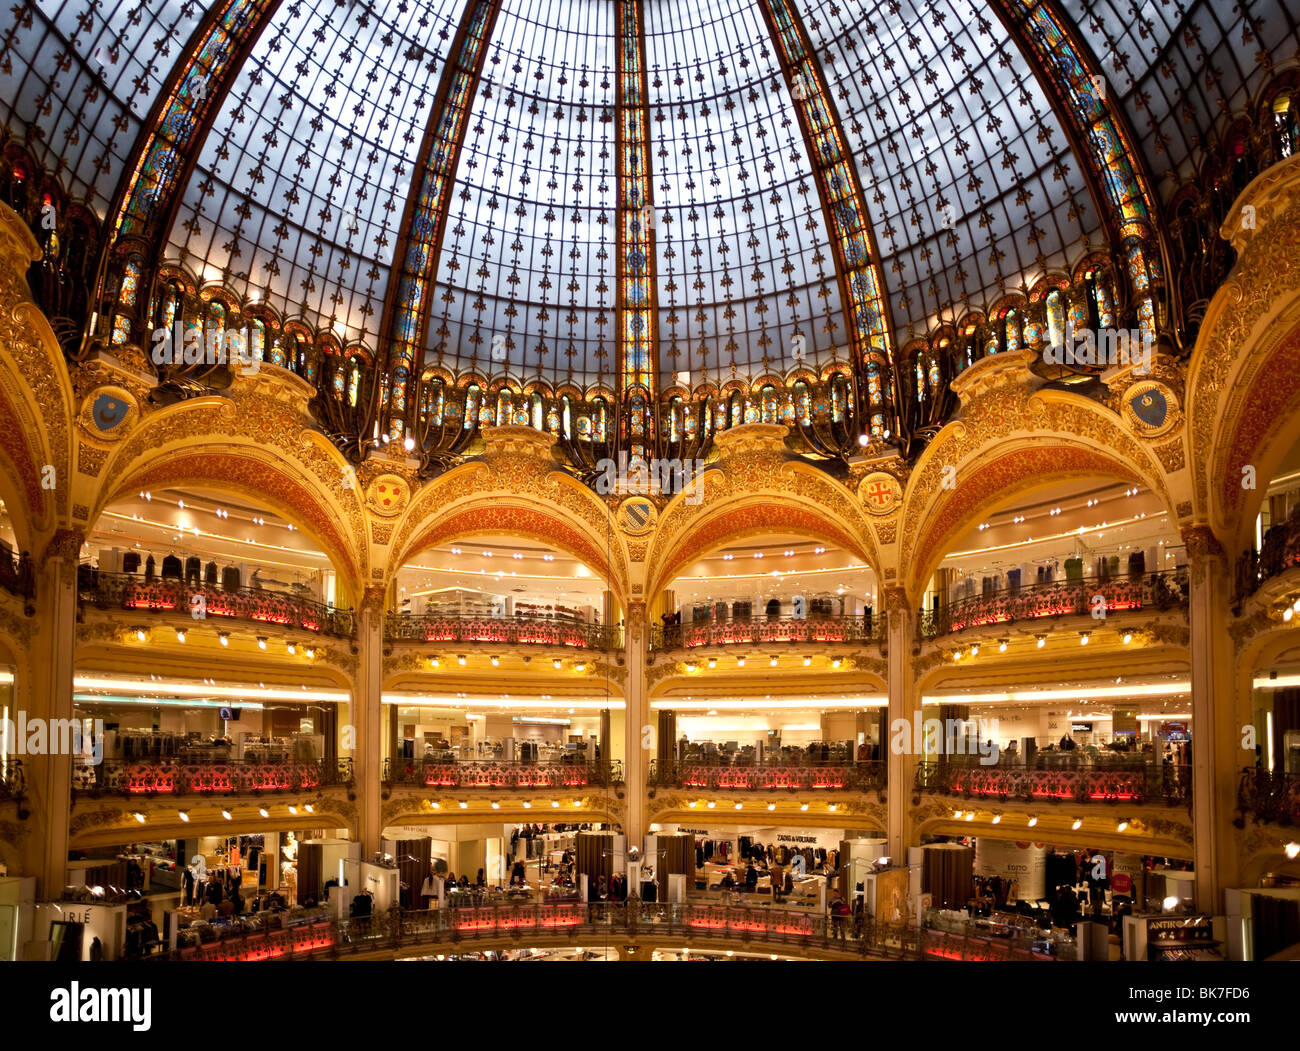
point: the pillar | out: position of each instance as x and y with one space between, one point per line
636 718
367 707
900 766
49 696
1216 723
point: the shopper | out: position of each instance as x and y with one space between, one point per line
778 882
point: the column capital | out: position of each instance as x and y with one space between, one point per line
65 544
372 600
635 620
897 605
1203 551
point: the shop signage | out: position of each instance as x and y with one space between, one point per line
782 838
1082 728
693 831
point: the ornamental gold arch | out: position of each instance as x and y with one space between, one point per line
1243 379
1009 441
36 394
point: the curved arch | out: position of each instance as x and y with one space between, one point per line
36 397
198 443
1242 380
1009 442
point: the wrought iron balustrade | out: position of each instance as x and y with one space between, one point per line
1152 591
1269 796
769 777
501 774
527 631
16 576
1077 782
762 630
1280 552
164 776
129 591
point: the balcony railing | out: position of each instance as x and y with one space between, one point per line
1269 796
769 777
173 777
13 781
528 631
129 591
497 774
1158 591
16 575
761 630
1281 552
451 930
1080 782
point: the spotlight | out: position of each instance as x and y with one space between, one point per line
226 814
580 666
293 649
1170 903
463 805
956 655
975 651
1042 640
460 659
970 815
496 806
1121 826
997 819
293 810
141 634
740 662
1127 638
1033 821
139 817
261 642
772 806
836 663
1292 850
409 444
309 808
773 661
957 815
807 662
691 666
577 802
1078 824
712 804
740 806
555 802
263 811
311 653
180 634
1287 614
1083 638
864 439
713 662
803 806
223 637
495 660
184 815
434 662
528 806
1002 646
1296 605
557 664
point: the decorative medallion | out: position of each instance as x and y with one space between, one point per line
881 492
388 495
1150 408
106 412
637 515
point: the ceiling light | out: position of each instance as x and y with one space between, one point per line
184 815
1083 638
291 647
1292 850
496 806
577 802
408 444
1042 640
1002 646
956 655
463 805
774 661
997 819
580 666
740 806
691 666
1033 821
141 634
836 662
555 802
807 662
740 662
263 811
309 808
1287 614
692 804
713 662
527 805
712 804
974 651
1121 826
1296 605
1078 824
957 815
223 637
1127 637
771 806
293 810
460 659
970 815
139 817
261 642
434 662
311 652
226 814
495 660
180 634
803 806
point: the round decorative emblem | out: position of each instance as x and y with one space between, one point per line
636 515
106 412
388 494
1150 408
880 492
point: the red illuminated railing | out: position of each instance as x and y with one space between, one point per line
130 591
526 631
762 630
500 774
148 777
1081 783
845 777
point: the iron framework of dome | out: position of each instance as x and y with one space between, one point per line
633 223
